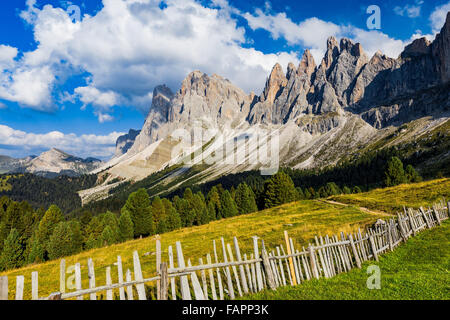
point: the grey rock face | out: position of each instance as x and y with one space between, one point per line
125 142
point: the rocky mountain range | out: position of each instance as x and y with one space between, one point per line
321 113
50 164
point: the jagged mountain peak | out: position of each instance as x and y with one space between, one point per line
276 81
307 64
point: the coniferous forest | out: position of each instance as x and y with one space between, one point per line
30 234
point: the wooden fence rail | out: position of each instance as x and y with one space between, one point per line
237 274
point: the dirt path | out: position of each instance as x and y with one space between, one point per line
369 211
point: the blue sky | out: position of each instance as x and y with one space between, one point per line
77 84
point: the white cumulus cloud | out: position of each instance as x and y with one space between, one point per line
86 145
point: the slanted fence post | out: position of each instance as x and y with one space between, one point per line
267 268
3 288
138 276
374 248
184 288
355 252
164 282
425 217
436 214
91 276
312 256
291 261
120 277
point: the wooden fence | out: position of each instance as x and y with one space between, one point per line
228 273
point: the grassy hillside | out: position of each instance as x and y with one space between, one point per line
418 269
393 199
302 220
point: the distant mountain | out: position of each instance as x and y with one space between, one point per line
49 164
347 105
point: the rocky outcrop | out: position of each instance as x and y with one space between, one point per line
125 142
441 51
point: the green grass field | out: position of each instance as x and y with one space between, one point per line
303 220
393 199
419 269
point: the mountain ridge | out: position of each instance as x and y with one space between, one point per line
321 112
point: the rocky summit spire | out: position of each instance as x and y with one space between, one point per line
331 53
277 80
441 50
307 64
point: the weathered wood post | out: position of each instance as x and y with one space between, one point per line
448 209
34 286
3 288
91 276
55 296
158 266
164 287
109 293
425 218
257 264
374 248
140 287
19 287
355 252
400 226
291 261
78 279
62 276
120 277
436 214
184 288
390 236
313 262
267 268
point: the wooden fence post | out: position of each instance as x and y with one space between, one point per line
34 286
3 288
62 276
138 276
355 252
158 266
184 288
241 267
448 208
374 249
120 277
268 269
258 264
129 288
91 276
78 279
172 280
291 261
425 217
312 256
19 287
109 293
54 296
164 287
436 214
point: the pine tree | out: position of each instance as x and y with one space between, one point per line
394 174
12 254
300 194
66 240
213 199
356 189
139 207
126 228
52 217
411 174
109 219
346 190
35 250
228 207
159 215
279 190
108 236
245 199
173 220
